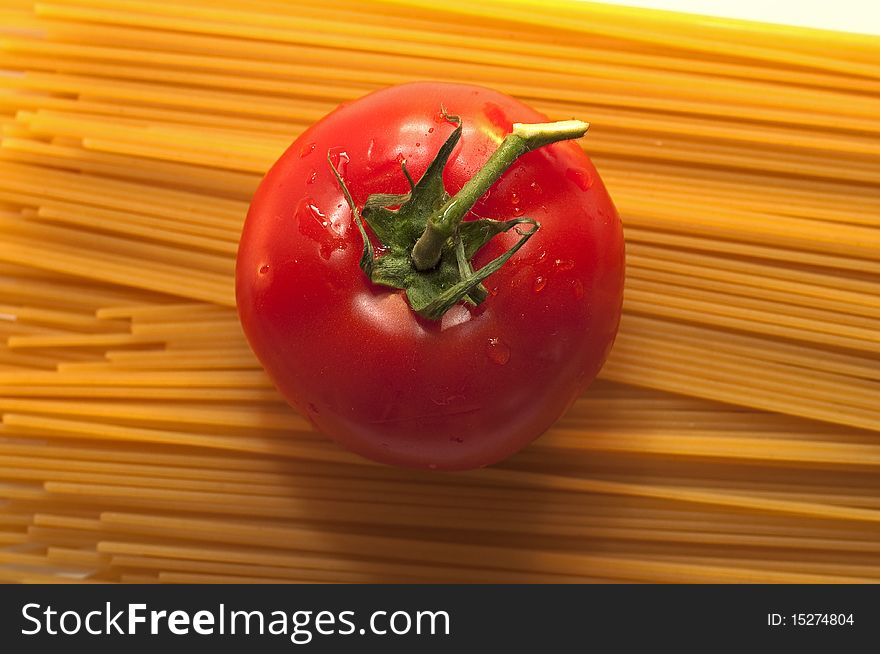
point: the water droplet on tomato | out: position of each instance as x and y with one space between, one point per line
312 178
497 351
307 149
317 213
564 264
430 130
535 188
418 145
580 177
339 158
578 289
264 268
514 198
518 211
493 291
314 224
540 283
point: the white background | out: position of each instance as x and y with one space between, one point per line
861 16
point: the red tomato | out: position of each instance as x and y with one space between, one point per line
477 385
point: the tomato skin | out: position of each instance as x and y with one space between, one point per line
478 385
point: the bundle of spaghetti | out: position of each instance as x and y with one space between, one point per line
731 437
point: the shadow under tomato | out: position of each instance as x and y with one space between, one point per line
507 523
593 500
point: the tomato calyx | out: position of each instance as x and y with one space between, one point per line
427 247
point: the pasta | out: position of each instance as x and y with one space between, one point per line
732 436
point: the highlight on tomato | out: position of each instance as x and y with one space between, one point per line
432 274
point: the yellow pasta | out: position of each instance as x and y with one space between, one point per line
732 436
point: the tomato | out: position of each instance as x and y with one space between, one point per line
479 383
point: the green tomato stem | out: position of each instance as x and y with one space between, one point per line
523 138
